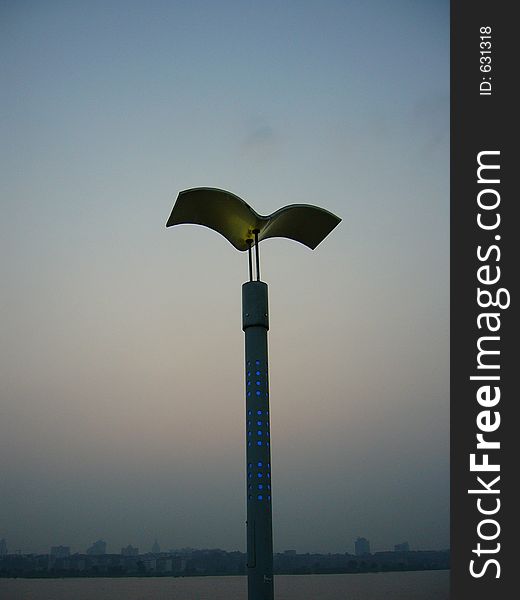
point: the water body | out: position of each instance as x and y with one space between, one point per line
415 585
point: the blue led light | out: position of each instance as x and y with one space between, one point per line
268 466
249 422
248 383
249 434
267 444
268 476
249 444
258 383
259 475
269 497
257 362
260 497
258 393
249 394
260 464
249 475
259 432
258 412
250 466
260 486
258 372
259 443
268 487
267 433
249 412
259 423
248 373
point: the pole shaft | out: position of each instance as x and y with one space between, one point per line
258 443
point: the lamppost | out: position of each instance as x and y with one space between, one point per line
244 228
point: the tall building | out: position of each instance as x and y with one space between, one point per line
60 551
130 551
362 546
99 547
404 547
3 547
156 548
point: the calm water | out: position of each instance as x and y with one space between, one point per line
418 585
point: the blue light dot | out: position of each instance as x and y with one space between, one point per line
259 432
269 497
267 444
249 412
260 486
268 487
268 466
268 476
258 383
267 433
249 475
249 487
260 464
258 412
249 422
260 497
259 443
248 383
250 466
259 423
248 373
259 475
248 394
258 372
249 434
257 362
258 393
249 444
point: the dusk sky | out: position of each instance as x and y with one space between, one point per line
121 368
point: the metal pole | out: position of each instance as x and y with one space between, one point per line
250 259
257 255
260 584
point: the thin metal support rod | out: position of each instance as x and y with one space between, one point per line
250 259
257 256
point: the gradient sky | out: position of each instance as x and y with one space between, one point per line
121 367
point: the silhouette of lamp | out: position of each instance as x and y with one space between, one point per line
230 216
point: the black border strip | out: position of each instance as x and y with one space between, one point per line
481 123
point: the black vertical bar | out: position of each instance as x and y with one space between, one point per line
483 172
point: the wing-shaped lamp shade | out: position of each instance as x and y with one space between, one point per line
230 216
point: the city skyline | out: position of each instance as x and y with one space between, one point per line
121 357
360 546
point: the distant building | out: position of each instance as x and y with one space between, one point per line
149 564
130 551
362 546
156 548
97 548
60 551
404 547
3 547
